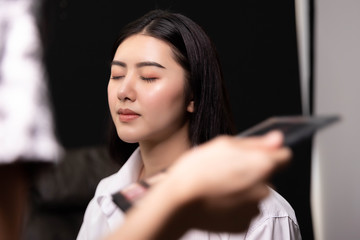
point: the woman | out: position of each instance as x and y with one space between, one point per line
166 93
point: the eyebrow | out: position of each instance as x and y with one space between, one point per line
138 65
148 63
118 63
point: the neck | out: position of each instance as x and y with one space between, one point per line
159 155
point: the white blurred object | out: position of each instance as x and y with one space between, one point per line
26 123
336 151
302 12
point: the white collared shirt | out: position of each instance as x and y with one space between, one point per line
276 221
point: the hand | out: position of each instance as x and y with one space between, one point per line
223 180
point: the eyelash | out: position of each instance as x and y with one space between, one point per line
148 79
142 78
116 77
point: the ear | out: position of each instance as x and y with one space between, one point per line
190 107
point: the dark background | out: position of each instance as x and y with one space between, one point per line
256 41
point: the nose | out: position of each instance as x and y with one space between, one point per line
126 90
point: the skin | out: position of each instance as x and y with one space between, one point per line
148 82
223 196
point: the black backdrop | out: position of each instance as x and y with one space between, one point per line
256 41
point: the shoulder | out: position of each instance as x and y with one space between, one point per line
276 220
276 205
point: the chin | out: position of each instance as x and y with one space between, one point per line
128 138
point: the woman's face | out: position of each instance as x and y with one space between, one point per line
146 90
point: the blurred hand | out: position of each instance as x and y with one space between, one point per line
224 180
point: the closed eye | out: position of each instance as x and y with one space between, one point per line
116 77
148 79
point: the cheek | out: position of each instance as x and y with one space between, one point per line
165 102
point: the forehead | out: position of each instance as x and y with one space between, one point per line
141 47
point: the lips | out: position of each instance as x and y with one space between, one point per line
127 115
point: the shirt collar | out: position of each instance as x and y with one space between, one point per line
127 174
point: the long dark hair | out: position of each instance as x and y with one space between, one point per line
196 53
